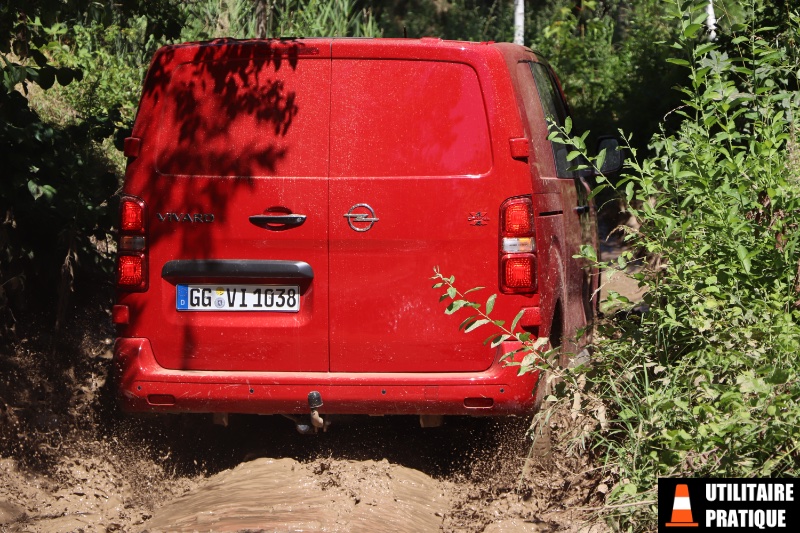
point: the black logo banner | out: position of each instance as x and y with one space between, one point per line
728 505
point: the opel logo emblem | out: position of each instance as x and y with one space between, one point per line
361 217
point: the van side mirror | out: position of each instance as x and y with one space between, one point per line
614 157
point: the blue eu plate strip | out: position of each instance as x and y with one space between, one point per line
182 298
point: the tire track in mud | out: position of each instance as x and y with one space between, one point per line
368 474
69 461
364 474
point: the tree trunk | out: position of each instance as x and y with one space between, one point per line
261 19
711 21
519 21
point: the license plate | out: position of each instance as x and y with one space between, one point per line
281 298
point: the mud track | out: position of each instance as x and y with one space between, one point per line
70 461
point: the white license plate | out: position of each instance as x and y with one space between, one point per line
281 298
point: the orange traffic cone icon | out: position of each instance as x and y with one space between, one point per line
682 508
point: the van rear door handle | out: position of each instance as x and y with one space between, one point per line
277 222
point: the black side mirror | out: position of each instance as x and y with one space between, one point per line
614 157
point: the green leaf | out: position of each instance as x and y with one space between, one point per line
500 340
676 61
467 321
741 251
475 325
568 125
597 190
455 306
517 319
452 292
47 77
64 76
705 48
490 304
779 377
671 311
588 251
601 158
691 30
34 189
474 289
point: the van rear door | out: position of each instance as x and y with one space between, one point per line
411 162
237 204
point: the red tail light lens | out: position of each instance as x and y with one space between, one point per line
517 217
132 215
517 246
132 259
132 271
519 272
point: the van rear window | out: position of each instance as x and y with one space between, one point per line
249 117
246 117
407 118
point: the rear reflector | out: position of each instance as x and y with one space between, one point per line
161 399
120 314
478 402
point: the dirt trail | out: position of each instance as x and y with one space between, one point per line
284 495
70 462
196 477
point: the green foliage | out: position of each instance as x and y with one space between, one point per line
701 378
54 193
470 20
114 57
534 358
207 19
611 60
321 18
704 382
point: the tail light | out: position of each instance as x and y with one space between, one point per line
517 258
132 256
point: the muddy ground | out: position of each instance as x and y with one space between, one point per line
71 462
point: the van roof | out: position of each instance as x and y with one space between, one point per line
368 43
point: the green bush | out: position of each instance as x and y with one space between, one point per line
704 382
701 379
611 60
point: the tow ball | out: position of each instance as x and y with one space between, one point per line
314 403
303 427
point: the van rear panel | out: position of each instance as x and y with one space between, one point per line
232 139
329 176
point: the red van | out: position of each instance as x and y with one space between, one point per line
285 202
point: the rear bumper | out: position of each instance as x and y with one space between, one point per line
145 386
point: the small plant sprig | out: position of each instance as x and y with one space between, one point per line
534 359
558 387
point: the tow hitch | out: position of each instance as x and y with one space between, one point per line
303 427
